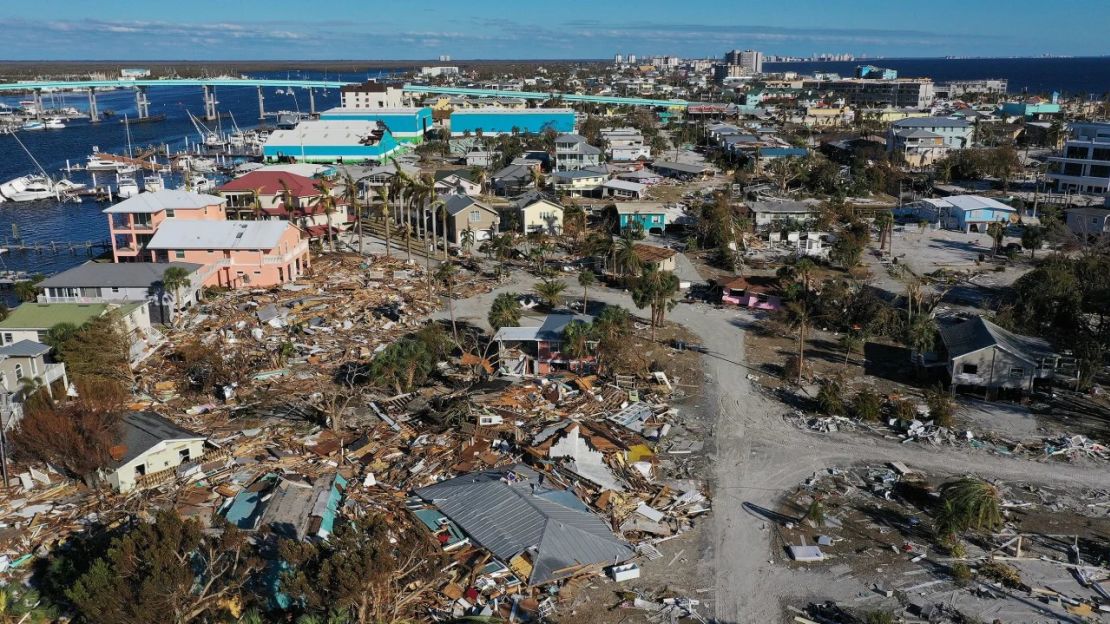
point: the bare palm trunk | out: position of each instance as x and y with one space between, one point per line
585 298
443 223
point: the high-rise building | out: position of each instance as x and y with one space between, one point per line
752 61
618 59
631 59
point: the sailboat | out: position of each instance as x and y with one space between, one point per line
37 186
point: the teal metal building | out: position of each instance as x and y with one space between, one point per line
407 125
494 121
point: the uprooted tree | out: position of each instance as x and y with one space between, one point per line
76 436
97 353
170 570
368 570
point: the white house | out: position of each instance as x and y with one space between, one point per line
148 445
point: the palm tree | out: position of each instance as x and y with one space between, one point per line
796 316
403 182
624 254
383 210
611 327
921 335
57 335
586 279
445 275
969 503
326 202
851 341
549 291
288 200
576 338
350 195
996 231
537 178
256 203
26 290
479 176
505 311
655 289
173 280
439 208
467 237
884 221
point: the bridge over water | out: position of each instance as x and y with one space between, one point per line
209 85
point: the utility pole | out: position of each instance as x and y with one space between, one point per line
5 418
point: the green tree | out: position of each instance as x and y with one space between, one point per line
366 569
550 292
384 213
505 311
624 252
586 279
921 334
1032 237
166 571
942 409
326 202
174 279
467 238
59 334
28 290
657 290
576 338
446 275
351 196
611 329
968 503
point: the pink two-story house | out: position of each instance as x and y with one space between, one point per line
235 253
132 222
179 226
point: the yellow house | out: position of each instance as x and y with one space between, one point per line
539 214
149 444
890 115
824 117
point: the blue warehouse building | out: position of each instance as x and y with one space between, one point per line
494 121
332 142
407 125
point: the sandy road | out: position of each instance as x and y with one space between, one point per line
756 456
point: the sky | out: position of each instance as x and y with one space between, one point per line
565 29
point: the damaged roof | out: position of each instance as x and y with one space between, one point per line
142 431
979 333
509 511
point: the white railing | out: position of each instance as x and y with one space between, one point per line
53 373
289 256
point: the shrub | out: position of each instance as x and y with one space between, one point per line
942 409
867 406
1007 575
829 397
961 573
905 410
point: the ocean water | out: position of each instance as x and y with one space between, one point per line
1079 76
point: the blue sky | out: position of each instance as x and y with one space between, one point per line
408 29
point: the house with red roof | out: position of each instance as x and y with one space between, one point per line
304 194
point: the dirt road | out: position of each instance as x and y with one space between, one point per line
757 456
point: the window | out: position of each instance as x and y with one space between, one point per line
18 372
475 216
1017 372
7 338
169 213
183 455
179 254
970 369
115 289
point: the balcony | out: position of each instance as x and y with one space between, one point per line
53 373
292 254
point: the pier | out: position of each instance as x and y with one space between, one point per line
57 247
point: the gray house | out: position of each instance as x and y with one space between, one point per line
526 523
103 282
983 355
24 366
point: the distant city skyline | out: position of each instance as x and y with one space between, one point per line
493 29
